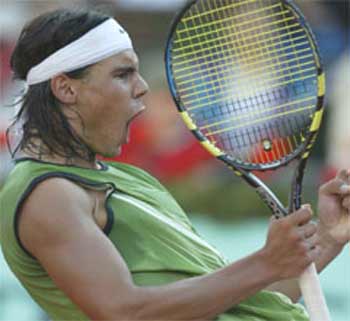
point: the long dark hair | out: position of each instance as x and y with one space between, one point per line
41 115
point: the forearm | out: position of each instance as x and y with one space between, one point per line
204 297
329 251
284 255
330 248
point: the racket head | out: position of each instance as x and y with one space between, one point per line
247 78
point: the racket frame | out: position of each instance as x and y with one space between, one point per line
309 282
242 170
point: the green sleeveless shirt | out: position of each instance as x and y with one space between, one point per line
150 230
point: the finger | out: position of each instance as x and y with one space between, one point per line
344 189
308 230
314 239
314 253
346 202
301 216
336 186
343 174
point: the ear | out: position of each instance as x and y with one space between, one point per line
64 89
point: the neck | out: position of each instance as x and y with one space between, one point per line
59 159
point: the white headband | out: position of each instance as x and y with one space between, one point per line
102 42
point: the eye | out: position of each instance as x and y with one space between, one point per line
120 75
125 73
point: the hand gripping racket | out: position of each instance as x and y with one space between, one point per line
248 82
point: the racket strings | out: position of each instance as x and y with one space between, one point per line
249 62
246 75
218 25
285 140
196 89
241 117
224 44
256 58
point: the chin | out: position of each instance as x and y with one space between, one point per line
111 153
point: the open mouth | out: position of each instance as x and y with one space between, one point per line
128 124
136 115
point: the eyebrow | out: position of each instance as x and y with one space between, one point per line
125 68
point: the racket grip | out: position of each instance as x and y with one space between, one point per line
313 296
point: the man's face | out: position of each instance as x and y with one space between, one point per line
108 99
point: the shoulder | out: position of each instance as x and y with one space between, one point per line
57 192
137 173
25 175
54 208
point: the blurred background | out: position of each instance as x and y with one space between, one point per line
224 210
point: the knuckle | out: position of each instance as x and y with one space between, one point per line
312 247
304 214
283 221
312 229
322 188
283 224
307 213
308 261
294 236
303 249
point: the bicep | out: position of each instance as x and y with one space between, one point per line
73 250
87 268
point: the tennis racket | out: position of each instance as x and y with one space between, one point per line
247 79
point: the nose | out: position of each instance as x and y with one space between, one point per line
141 88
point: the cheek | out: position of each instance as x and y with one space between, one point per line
118 105
109 107
111 123
116 98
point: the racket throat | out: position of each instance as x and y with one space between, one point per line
295 199
272 202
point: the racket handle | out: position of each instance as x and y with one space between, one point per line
313 296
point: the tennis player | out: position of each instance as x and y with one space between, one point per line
101 241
